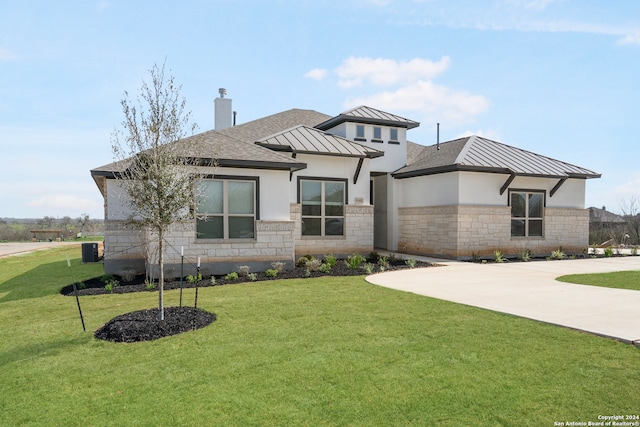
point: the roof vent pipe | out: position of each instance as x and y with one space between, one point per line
438 139
235 113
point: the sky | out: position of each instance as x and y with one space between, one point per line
560 78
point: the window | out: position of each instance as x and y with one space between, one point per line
527 209
226 209
322 207
377 134
360 132
393 134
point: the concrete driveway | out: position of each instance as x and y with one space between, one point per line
8 249
530 290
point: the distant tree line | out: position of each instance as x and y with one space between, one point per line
19 230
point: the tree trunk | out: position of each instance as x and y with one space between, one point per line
161 278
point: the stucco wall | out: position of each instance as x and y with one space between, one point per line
468 231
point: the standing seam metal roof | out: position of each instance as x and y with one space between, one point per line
477 153
304 139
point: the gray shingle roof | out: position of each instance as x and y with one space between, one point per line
225 150
475 153
304 139
257 129
597 215
364 114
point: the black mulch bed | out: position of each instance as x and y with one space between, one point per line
144 325
97 287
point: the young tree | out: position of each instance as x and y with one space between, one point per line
157 174
631 213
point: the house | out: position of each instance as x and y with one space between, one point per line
301 182
606 228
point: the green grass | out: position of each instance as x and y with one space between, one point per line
320 352
619 279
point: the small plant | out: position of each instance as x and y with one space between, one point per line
634 250
313 264
330 260
558 254
608 252
149 285
368 267
213 280
252 276
383 261
243 270
81 285
354 261
498 257
106 277
325 268
474 257
194 278
525 255
272 272
307 273
585 252
232 276
108 287
411 263
302 261
113 283
373 256
278 265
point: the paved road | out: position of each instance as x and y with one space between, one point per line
8 249
530 290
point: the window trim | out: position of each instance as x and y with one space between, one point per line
225 215
345 181
358 137
527 192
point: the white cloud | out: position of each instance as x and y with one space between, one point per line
316 74
629 189
6 55
633 38
532 4
65 204
431 101
387 72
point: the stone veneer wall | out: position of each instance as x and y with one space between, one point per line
466 231
274 241
358 236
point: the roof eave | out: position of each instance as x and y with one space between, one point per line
337 120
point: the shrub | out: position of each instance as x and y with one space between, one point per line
525 255
383 261
243 270
278 265
213 280
558 254
313 264
498 256
608 252
106 277
108 287
81 285
128 274
232 276
354 261
149 285
194 279
373 256
113 283
368 267
271 273
252 276
325 268
302 261
411 263
330 260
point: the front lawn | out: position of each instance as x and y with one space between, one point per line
324 351
619 279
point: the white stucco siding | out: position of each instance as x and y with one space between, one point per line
430 190
118 207
571 194
334 167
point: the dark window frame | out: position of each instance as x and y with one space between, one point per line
323 217
527 218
